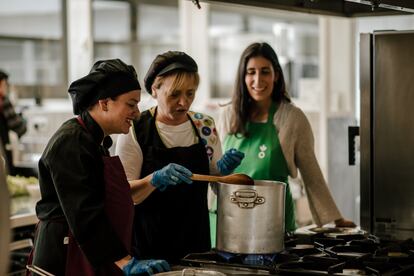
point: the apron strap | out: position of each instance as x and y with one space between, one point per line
81 122
272 111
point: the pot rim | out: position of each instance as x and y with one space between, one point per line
265 183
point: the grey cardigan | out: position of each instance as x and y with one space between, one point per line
297 142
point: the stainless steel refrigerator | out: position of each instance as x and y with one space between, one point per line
387 133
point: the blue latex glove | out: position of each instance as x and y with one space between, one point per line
172 174
230 160
145 267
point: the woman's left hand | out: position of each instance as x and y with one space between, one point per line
344 223
230 160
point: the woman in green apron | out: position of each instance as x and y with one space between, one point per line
262 148
274 134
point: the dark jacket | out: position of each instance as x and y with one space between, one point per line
72 189
9 121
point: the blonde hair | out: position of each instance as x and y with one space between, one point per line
180 78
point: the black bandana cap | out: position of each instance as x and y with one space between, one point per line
166 63
107 78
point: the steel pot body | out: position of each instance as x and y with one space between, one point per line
251 219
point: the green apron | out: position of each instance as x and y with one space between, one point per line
264 159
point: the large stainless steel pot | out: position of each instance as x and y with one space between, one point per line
251 219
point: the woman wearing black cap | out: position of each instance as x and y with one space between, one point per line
172 219
86 210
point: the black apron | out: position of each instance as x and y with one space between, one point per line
175 222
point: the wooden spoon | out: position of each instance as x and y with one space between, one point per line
237 178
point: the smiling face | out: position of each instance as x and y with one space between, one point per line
260 78
174 94
122 110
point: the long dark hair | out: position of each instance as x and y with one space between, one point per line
242 101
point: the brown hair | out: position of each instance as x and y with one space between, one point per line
241 100
3 75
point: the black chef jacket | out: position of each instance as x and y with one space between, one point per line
72 189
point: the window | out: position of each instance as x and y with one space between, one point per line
231 29
31 47
135 31
158 30
111 30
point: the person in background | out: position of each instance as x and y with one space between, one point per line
86 209
274 134
164 148
9 121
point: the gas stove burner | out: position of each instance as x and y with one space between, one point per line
321 258
306 267
401 253
260 259
328 242
302 250
331 232
323 265
250 259
349 251
381 268
346 237
317 254
237 264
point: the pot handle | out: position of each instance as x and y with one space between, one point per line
246 198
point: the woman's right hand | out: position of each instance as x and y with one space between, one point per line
139 267
172 174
